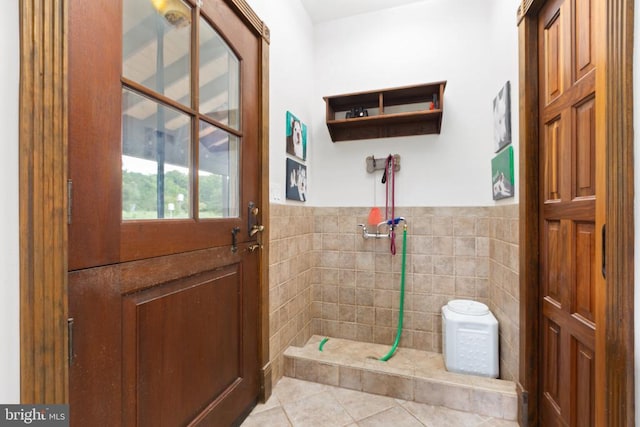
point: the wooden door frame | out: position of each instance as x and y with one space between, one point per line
614 117
43 198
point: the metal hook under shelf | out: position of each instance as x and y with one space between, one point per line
374 164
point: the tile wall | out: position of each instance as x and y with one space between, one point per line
504 288
356 282
290 269
325 279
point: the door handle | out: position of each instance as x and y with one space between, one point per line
252 217
234 239
604 251
255 229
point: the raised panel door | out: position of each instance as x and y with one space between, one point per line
567 212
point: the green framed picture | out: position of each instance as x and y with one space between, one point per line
296 137
502 174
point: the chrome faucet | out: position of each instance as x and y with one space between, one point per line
391 224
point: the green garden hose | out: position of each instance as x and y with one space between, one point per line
322 343
400 315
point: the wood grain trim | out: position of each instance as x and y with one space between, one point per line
261 29
618 122
263 348
529 8
601 215
252 18
43 204
529 221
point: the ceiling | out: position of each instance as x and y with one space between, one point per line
327 10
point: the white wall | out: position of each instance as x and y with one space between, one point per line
9 261
291 78
471 44
506 67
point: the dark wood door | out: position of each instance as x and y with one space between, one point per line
567 212
163 167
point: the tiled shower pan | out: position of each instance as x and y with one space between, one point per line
410 375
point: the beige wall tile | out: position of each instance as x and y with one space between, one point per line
442 245
350 378
442 226
347 313
465 246
387 385
364 297
443 265
423 283
326 279
420 245
464 226
487 403
442 395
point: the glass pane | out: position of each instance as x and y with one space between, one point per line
219 78
156 50
155 160
218 173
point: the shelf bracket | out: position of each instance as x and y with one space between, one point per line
374 164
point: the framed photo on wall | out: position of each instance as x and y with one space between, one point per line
296 137
502 174
296 181
502 118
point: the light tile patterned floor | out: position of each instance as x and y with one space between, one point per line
297 403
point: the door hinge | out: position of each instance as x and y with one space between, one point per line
69 200
70 339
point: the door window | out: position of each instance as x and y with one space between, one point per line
180 118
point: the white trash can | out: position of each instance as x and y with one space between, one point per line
470 338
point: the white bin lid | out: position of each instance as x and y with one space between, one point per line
468 307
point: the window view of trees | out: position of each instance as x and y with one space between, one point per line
140 195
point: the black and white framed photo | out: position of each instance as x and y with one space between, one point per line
502 118
296 181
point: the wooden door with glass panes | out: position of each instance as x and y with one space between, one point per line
164 234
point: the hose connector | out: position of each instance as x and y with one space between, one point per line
396 221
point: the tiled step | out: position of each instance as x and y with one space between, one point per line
411 375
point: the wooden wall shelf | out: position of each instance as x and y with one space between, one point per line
401 111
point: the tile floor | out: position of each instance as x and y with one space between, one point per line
298 403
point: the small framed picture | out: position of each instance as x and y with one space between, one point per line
296 137
502 118
296 181
502 174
